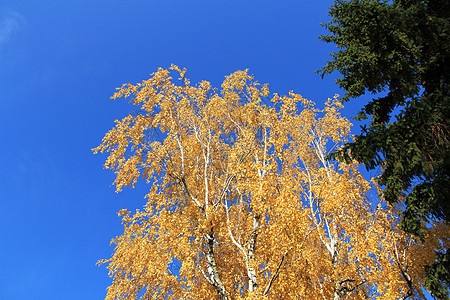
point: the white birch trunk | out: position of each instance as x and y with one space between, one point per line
213 272
251 272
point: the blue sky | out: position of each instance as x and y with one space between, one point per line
60 61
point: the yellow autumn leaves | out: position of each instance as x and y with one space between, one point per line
243 199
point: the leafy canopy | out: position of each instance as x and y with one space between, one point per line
243 203
400 48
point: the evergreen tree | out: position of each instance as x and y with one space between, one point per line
400 50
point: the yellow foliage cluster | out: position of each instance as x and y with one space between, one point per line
243 203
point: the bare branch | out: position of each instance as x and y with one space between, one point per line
274 276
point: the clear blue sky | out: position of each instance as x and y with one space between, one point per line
60 61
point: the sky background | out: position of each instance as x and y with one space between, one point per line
60 61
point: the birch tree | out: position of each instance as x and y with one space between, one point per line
243 204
